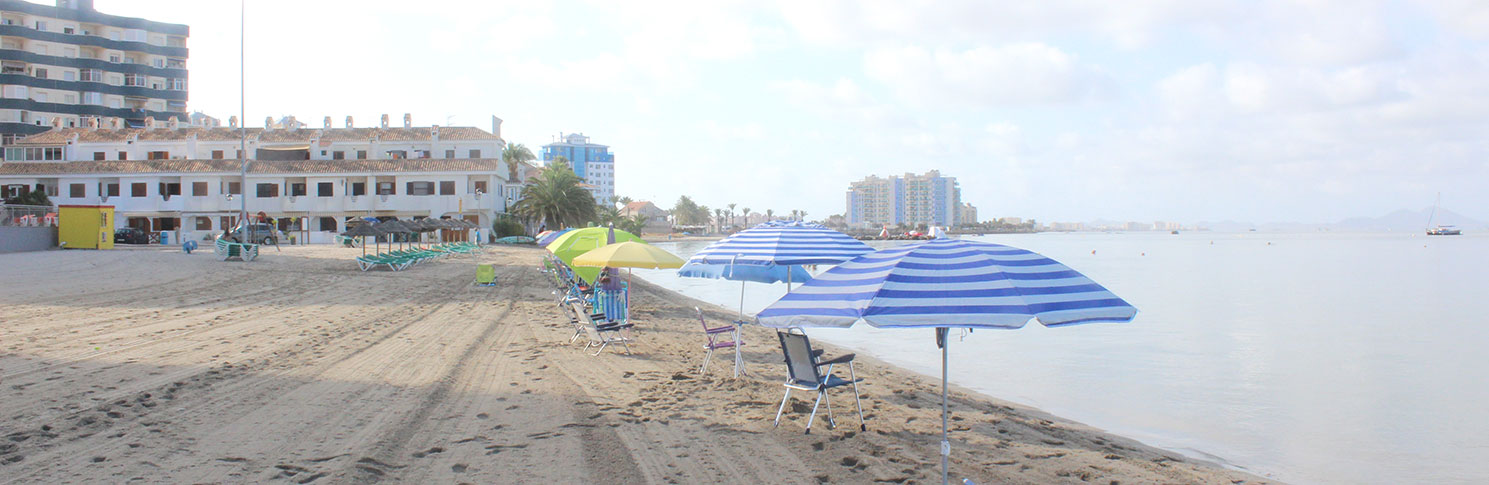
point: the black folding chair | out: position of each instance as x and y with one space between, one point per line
806 373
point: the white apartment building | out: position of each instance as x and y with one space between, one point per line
66 63
187 181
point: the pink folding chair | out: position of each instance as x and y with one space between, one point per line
716 340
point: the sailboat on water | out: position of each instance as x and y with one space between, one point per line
1440 229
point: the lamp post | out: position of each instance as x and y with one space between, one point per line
242 118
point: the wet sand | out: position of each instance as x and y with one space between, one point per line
155 366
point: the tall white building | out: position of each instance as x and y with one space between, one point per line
912 199
186 180
63 64
590 161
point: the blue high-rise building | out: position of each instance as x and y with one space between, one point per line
929 199
591 162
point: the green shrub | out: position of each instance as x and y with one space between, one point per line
507 227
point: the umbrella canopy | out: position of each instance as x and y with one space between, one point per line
947 283
546 237
745 272
362 231
786 244
629 254
580 241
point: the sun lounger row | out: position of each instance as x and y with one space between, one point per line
401 259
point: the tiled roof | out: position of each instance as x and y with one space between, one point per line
270 167
58 136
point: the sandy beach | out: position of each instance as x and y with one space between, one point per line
149 365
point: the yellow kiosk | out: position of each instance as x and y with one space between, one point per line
85 226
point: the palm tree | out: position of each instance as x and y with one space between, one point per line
555 198
793 214
803 215
770 214
745 213
731 213
514 155
624 201
718 215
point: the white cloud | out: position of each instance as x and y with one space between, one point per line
1013 74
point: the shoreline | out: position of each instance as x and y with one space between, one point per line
968 394
161 366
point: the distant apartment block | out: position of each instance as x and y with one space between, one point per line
911 199
60 65
171 177
968 214
591 162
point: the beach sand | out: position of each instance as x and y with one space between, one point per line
155 366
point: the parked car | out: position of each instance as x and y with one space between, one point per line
131 235
262 233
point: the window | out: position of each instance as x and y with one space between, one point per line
217 154
158 156
69 76
69 30
34 153
323 189
328 224
76 191
158 62
361 154
95 99
234 189
170 188
198 189
421 188
134 80
480 186
397 154
359 188
447 187
203 223
268 190
475 154
137 189
115 58
39 73
124 155
296 189
338 155
386 188
41 25
92 75
112 190
99 156
449 154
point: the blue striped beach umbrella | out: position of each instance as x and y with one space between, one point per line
948 283
758 253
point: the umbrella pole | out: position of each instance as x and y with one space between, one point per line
941 338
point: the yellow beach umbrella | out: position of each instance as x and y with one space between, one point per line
579 241
629 254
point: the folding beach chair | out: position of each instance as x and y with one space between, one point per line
806 374
601 334
716 341
486 274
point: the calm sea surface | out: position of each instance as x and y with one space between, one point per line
1311 358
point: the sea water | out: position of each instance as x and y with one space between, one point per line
1310 358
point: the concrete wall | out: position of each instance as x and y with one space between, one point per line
16 239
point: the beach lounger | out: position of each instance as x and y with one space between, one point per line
601 334
716 341
486 274
805 373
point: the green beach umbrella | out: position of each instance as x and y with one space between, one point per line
580 241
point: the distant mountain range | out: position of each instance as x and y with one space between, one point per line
1405 220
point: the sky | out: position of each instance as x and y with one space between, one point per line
1174 110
